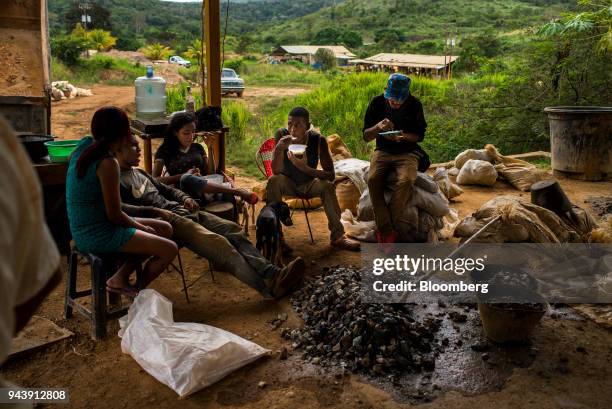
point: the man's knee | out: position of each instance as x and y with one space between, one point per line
190 182
406 175
325 186
376 179
276 181
165 229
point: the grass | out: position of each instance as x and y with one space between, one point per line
191 73
97 70
280 75
541 163
458 113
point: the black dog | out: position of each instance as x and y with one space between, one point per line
269 230
208 119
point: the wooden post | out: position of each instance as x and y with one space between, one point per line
213 52
212 28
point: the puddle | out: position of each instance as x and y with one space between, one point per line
469 363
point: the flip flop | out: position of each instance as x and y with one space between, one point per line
127 291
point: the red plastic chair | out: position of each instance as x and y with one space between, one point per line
263 160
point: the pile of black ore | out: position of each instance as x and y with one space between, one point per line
376 339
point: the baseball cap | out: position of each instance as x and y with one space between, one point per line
398 87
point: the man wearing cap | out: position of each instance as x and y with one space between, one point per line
395 110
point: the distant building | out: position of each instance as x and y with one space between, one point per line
432 65
305 53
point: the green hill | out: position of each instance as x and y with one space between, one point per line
365 26
413 25
136 22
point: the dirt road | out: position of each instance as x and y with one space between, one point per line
70 118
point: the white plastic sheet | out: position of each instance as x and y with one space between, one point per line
185 356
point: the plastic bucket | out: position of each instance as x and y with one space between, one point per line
503 324
509 321
580 143
60 151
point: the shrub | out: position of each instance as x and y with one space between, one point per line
101 40
236 115
326 58
236 64
156 51
68 48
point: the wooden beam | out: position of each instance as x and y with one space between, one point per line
213 52
212 35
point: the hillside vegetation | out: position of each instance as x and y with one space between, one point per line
384 25
138 22
414 25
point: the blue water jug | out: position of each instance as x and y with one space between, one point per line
150 96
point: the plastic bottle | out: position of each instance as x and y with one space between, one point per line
150 96
189 102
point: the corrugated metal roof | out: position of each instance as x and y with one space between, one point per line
338 50
408 60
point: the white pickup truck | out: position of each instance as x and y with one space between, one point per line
175 59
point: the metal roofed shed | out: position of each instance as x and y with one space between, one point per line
305 53
420 64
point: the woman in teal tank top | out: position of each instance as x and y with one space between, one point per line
97 223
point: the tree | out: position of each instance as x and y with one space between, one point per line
195 51
389 33
79 32
100 17
427 47
68 48
594 22
127 40
352 39
101 40
243 44
477 49
390 40
327 36
582 40
156 51
270 39
326 58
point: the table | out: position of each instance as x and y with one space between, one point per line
52 178
149 129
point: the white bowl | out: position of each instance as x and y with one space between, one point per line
297 149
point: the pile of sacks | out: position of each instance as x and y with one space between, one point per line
484 166
65 90
524 222
425 217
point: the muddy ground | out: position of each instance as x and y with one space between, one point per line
568 363
71 118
